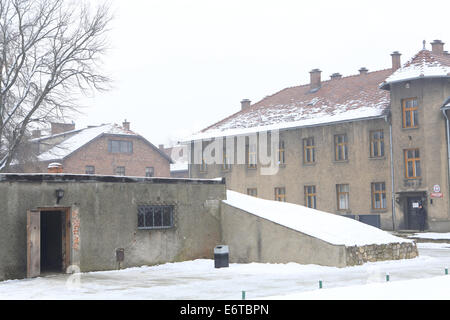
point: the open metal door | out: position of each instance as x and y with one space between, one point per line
33 243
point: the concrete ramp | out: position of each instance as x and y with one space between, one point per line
259 230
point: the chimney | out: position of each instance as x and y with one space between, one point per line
55 167
126 125
396 60
336 75
437 46
315 80
61 127
35 134
363 70
161 147
245 103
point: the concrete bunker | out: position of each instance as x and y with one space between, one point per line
112 222
104 222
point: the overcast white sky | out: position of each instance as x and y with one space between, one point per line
181 65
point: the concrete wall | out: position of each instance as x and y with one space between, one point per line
254 239
104 218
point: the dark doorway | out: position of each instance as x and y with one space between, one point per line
412 213
51 241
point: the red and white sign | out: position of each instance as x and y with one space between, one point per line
437 188
436 195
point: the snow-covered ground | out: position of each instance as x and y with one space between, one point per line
432 235
199 279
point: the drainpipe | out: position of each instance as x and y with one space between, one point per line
391 151
444 111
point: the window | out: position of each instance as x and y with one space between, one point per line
310 196
226 161
149 172
309 155
120 171
410 113
90 170
342 196
203 166
281 153
377 144
155 217
120 146
341 149
280 194
412 164
378 195
251 156
252 192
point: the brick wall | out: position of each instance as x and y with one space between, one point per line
96 154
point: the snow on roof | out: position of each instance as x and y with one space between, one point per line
319 119
328 227
346 99
424 64
179 166
79 139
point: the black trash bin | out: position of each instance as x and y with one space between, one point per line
221 256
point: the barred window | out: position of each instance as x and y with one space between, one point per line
155 217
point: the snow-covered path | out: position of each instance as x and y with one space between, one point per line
199 279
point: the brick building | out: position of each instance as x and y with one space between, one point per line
369 146
107 149
179 155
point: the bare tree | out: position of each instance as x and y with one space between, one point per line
50 53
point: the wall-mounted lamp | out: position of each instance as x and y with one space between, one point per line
59 193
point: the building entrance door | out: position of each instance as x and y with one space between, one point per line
48 240
412 213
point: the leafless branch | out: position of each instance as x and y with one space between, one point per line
50 52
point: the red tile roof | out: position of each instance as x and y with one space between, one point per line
339 99
294 104
424 64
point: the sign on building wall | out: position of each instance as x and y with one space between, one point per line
436 195
436 192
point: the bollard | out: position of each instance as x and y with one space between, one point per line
320 284
243 295
387 277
